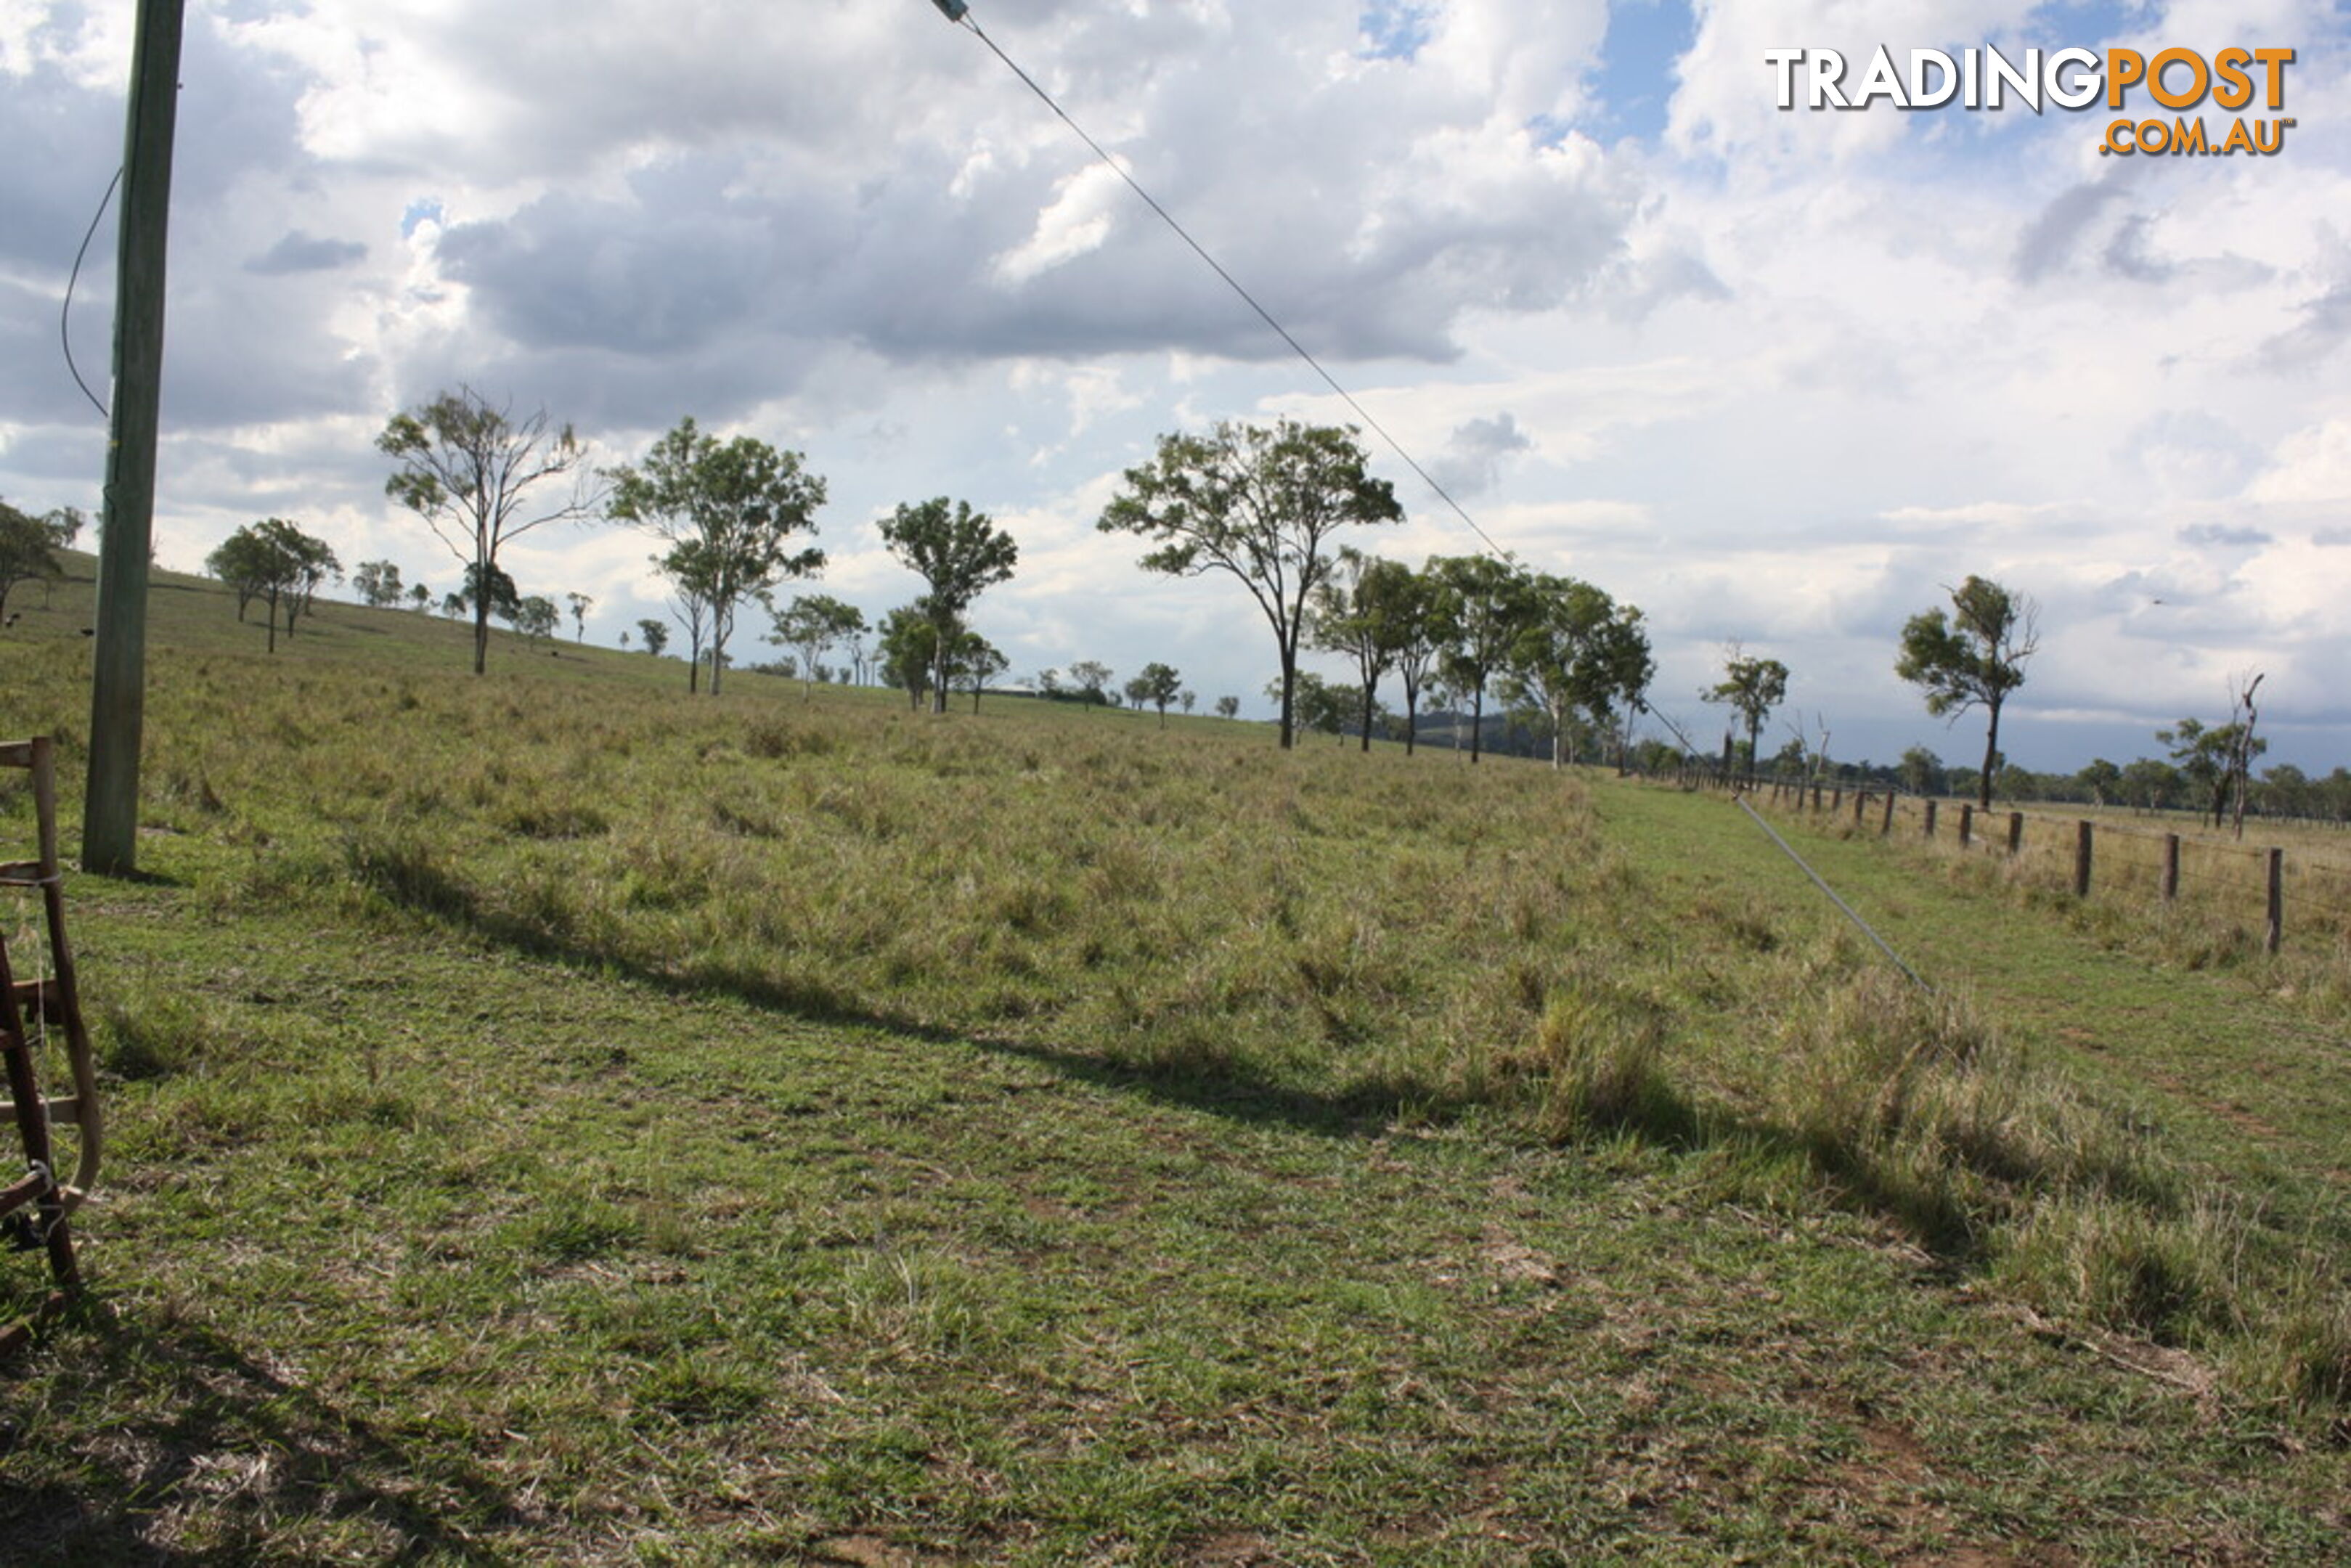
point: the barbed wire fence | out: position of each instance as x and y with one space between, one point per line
2092 858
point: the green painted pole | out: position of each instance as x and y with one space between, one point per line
109 834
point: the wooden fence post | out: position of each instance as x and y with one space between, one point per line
2015 833
2170 868
1931 804
1836 798
2277 900
1887 826
2082 832
1967 826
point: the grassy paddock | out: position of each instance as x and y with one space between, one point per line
562 1122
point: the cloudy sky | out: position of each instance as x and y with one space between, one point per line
1775 377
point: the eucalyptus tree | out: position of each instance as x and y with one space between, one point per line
655 634
812 624
1626 664
1159 685
28 553
1409 606
1753 688
692 570
1480 604
481 477
978 662
2214 761
1371 611
536 617
580 604
730 511
1261 505
378 582
274 560
1553 661
1972 657
961 554
910 652
1092 677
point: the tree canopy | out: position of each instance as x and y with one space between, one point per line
1158 684
1479 605
28 550
479 476
274 560
960 553
1752 687
1375 611
1261 505
730 511
812 624
379 584
1974 656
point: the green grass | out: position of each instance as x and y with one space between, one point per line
558 1122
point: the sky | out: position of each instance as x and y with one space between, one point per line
1780 378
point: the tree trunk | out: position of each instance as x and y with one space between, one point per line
1991 750
1367 718
272 608
1411 717
1477 723
482 624
1289 685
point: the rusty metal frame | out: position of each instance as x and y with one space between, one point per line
54 1000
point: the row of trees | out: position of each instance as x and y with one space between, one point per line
732 515
1263 505
1260 504
1969 656
276 562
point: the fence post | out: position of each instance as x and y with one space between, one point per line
2277 900
1860 804
1931 804
2170 868
1887 826
1816 795
1967 826
2015 833
2082 832
1836 798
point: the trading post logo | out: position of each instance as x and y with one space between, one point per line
2176 79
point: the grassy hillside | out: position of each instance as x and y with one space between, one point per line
561 1122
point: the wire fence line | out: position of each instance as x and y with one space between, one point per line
2090 857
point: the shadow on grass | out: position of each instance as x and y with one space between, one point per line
199 1453
413 880
1589 1089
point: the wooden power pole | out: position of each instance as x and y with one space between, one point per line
109 834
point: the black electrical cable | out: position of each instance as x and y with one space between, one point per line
1201 251
64 311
